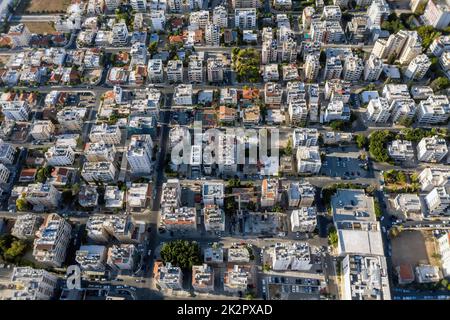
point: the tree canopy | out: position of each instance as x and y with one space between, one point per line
181 253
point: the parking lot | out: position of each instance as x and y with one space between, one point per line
345 167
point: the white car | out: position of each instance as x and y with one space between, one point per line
384 229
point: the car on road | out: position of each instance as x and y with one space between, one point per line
384 229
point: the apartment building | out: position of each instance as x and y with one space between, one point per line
214 218
220 16
432 149
42 195
122 257
308 160
212 35
237 278
359 274
438 201
378 110
353 68
16 110
291 256
101 171
312 67
60 155
91 259
213 193
42 130
109 134
245 18
174 71
215 70
179 218
32 284
304 219
433 110
155 71
183 95
26 226
71 118
305 137
273 93
203 278
298 112
373 68
401 150
437 14
168 276
418 67
139 154
52 240
88 196
99 151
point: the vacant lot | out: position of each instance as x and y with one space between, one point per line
409 248
43 6
40 27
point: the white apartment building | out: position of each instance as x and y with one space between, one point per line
304 219
155 71
7 153
4 173
237 278
440 45
434 110
214 218
91 258
112 4
109 134
273 93
213 193
438 201
16 110
353 68
308 160
291 256
101 227
373 68
42 195
298 111
203 278
71 119
52 240
393 91
333 68
101 171
99 151
312 66
139 154
158 20
437 14
418 67
403 110
60 155
411 49
365 278
26 225
20 35
122 257
444 251
434 177
33 284
215 70
378 110
174 71
212 35
432 149
301 194
245 18
305 137
171 193
183 95
139 5
199 19
401 150
195 71
168 276
119 35
179 219
336 110
42 130
220 16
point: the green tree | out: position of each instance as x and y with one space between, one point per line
288 149
337 125
22 204
440 84
333 237
181 253
361 141
377 145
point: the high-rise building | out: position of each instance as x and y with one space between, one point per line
418 67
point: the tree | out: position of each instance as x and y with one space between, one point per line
181 253
22 204
333 237
361 141
288 149
377 208
377 145
337 125
11 248
153 48
440 84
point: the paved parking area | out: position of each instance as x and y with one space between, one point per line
344 167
